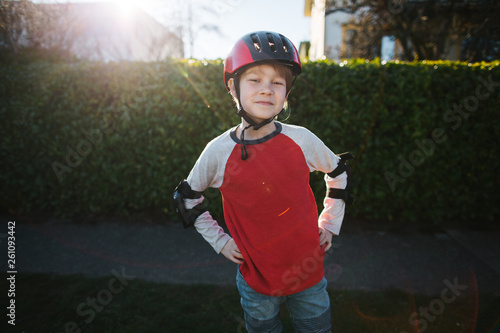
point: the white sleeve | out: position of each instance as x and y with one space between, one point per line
320 158
208 171
334 209
208 227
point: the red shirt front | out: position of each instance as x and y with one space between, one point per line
269 207
271 213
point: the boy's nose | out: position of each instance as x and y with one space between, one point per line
266 88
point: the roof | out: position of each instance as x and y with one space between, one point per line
101 31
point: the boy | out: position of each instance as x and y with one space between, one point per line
276 239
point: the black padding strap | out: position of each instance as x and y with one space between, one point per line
342 166
188 216
185 190
337 193
193 214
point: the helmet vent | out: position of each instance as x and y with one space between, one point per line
256 42
284 42
270 39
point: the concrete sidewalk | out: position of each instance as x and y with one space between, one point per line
361 259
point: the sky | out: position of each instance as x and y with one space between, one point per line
236 18
227 20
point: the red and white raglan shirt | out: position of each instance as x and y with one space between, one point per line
269 207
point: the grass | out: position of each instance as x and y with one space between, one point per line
48 303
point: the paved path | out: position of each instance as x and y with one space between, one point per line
363 258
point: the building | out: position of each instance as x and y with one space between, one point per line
327 32
332 32
108 32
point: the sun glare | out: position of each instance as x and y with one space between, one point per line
124 7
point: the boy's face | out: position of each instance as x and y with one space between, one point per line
262 92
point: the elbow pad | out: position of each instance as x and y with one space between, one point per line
188 216
337 193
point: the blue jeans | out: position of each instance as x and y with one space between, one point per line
309 309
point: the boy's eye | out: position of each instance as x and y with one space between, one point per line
279 83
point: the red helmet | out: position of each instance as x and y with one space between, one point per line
261 46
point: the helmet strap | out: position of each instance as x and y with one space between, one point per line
244 152
243 114
251 123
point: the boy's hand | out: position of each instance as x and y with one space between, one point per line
231 252
325 238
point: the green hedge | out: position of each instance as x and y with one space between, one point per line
93 138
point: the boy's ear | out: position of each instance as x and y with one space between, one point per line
232 90
287 94
230 84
